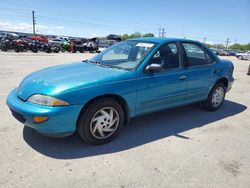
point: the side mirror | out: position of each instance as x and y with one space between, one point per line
153 68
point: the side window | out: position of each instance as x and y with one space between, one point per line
195 54
167 56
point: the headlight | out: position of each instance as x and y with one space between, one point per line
47 100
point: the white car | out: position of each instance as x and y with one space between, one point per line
242 56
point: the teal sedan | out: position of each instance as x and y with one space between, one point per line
96 97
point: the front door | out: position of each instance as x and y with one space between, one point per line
163 89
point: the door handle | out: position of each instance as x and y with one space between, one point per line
216 71
183 78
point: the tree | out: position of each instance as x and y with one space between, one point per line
244 47
135 35
148 35
125 36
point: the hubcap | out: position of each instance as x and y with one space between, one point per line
218 97
104 123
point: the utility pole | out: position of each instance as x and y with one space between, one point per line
34 22
163 32
160 31
235 41
204 40
227 42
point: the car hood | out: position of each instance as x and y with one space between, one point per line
62 78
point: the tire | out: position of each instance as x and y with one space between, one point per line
48 50
4 48
17 49
241 57
216 97
34 50
100 111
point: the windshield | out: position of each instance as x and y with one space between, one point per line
125 55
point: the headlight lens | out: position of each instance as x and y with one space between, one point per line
47 100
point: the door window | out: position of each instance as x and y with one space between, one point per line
167 56
195 54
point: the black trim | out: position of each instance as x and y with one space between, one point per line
18 116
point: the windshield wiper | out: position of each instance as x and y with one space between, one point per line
106 65
86 61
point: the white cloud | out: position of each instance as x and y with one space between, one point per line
50 32
4 24
59 27
27 27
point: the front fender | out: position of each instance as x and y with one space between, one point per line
125 89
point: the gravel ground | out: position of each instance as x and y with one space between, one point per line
182 147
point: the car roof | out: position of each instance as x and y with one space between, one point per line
163 40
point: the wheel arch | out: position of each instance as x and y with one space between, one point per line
118 98
224 80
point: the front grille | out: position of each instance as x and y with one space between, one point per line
18 116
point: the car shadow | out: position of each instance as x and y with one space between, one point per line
141 130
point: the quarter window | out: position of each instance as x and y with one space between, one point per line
195 54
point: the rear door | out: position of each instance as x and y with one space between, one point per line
200 71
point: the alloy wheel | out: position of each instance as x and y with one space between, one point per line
218 96
104 122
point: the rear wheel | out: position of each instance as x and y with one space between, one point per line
101 121
216 97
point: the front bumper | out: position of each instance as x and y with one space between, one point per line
230 84
62 120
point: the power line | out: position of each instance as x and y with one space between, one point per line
74 15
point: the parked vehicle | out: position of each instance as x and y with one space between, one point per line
91 47
40 38
97 97
56 41
214 51
49 47
244 55
1 36
17 43
8 41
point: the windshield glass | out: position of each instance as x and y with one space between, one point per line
125 55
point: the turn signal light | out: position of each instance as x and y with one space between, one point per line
40 119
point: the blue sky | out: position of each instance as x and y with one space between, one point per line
215 20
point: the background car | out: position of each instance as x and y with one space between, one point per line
244 55
41 38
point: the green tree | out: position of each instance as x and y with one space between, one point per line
244 47
135 35
125 36
148 35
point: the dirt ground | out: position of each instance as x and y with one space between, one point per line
182 147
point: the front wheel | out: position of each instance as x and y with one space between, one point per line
216 97
101 121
